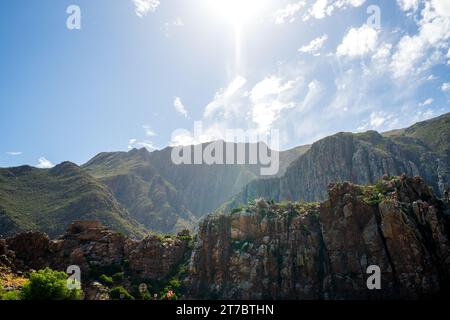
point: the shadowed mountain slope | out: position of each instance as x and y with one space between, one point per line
50 199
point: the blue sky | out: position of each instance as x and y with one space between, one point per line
138 70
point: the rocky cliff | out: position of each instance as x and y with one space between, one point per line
322 250
96 250
166 197
362 158
267 250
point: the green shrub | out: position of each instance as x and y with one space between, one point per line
118 277
48 284
106 280
9 295
146 295
120 293
174 284
236 210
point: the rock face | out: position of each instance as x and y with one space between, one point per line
96 249
322 251
167 197
6 256
152 258
362 158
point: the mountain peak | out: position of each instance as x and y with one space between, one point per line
64 168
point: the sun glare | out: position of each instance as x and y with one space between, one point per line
237 12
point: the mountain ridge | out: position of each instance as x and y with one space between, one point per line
140 191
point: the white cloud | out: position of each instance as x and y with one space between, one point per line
409 51
44 163
314 92
149 131
427 102
269 98
319 9
380 120
408 5
434 32
314 46
322 8
135 144
14 153
143 7
383 53
270 86
376 119
358 42
380 59
184 138
288 13
422 115
201 134
258 108
445 87
179 106
225 99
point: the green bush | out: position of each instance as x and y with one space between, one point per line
48 284
106 280
146 295
120 293
174 284
118 277
9 295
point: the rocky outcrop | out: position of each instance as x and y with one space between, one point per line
362 158
96 291
154 258
96 250
6 256
323 251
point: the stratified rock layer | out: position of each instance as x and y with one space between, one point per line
322 251
96 249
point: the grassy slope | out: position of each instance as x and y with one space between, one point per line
137 185
50 199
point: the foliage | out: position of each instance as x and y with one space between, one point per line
47 199
146 295
48 284
106 280
120 293
169 294
118 277
9 295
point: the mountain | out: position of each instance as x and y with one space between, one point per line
362 158
289 250
167 197
140 190
139 187
323 251
50 199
